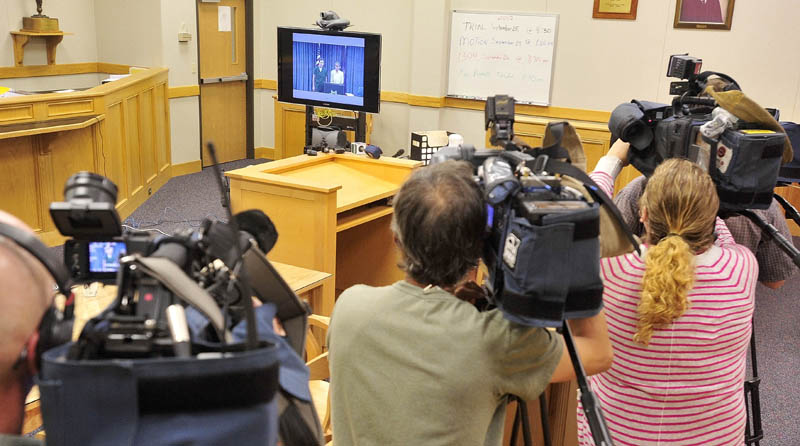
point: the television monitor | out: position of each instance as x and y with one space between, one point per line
336 69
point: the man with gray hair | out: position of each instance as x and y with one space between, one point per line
417 363
26 291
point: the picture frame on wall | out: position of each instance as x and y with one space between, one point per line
703 14
615 9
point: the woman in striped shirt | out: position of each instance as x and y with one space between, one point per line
679 317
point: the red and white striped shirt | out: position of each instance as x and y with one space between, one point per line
686 386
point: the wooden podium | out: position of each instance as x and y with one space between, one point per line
332 213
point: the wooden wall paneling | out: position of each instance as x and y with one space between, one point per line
294 125
70 152
290 133
162 124
14 113
45 181
286 128
130 112
147 117
65 109
114 151
19 194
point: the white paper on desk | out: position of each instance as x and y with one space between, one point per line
224 18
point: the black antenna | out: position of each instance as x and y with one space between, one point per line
238 269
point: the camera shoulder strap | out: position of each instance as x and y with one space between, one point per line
563 168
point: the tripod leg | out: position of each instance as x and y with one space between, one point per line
545 420
594 416
754 432
517 421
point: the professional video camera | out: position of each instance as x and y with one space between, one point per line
206 257
742 156
181 337
542 248
739 143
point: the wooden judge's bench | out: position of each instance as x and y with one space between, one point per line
120 130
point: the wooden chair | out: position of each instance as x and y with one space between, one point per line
317 362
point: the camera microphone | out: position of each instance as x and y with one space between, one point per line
256 224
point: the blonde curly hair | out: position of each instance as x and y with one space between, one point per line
681 203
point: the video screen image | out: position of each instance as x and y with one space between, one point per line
104 256
328 68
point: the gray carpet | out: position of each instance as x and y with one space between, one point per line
186 200
778 354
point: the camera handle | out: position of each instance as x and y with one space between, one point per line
597 422
787 246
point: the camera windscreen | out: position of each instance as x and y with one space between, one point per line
104 256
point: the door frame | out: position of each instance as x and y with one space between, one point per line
249 84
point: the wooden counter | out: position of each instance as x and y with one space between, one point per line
330 212
119 130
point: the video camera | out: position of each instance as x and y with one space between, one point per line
743 158
541 245
154 272
540 226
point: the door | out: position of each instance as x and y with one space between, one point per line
223 78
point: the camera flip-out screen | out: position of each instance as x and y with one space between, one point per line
104 256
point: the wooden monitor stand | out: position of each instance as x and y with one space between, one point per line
331 213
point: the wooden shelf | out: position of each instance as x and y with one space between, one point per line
37 128
356 217
21 39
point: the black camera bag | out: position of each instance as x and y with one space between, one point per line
744 166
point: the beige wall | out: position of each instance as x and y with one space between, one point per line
598 63
181 59
129 32
75 16
145 33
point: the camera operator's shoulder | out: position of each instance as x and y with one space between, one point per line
503 336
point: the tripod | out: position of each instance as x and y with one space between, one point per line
754 432
594 416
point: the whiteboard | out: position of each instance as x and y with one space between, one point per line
502 53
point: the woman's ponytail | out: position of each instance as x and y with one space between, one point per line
668 278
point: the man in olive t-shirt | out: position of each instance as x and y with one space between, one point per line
415 363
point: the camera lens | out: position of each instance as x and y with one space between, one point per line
88 186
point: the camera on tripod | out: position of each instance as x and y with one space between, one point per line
539 227
742 157
541 246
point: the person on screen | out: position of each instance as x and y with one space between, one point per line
319 76
703 11
111 254
337 75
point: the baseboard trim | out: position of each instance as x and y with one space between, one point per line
265 84
186 168
265 152
183 91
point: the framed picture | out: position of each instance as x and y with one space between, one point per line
615 9
704 14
